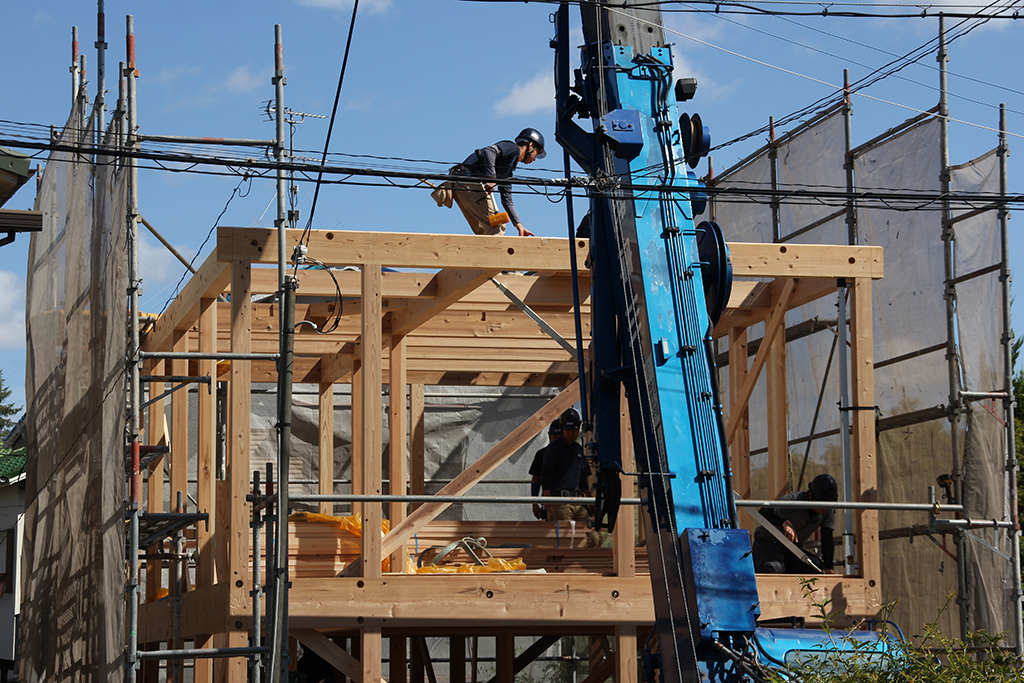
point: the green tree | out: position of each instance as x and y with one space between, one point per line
8 411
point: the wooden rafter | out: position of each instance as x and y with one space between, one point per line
452 286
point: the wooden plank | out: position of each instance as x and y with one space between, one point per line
405 250
452 285
863 444
805 260
179 421
417 443
326 445
240 406
771 328
398 427
371 432
777 419
331 653
519 437
210 280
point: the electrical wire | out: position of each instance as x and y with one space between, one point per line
330 126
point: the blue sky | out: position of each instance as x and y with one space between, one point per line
433 80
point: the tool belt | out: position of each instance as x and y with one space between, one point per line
569 493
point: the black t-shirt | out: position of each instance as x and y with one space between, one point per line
565 468
537 466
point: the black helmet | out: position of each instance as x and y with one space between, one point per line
532 135
823 487
570 419
555 427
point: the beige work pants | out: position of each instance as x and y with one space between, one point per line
476 203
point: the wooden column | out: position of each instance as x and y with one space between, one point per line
179 421
778 415
863 446
357 433
506 655
372 379
397 654
326 445
370 646
417 443
398 434
157 436
624 552
240 406
206 475
740 449
457 659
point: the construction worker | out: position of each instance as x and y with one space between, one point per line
798 525
566 473
537 469
495 162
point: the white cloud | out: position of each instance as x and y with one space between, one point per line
41 18
708 88
361 103
527 97
12 311
165 75
157 264
242 80
374 6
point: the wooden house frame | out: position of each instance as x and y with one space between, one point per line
452 326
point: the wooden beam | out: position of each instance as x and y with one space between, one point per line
331 653
452 285
372 381
771 328
210 280
398 427
406 250
740 447
624 534
505 655
326 445
519 437
200 608
157 436
357 435
370 654
863 444
805 260
336 366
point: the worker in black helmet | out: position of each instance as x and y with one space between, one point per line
798 525
566 473
494 162
537 468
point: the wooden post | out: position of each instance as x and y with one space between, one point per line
372 379
240 406
357 434
326 445
624 552
157 436
370 640
863 444
506 655
778 415
456 659
398 435
179 420
397 660
417 443
740 449
206 442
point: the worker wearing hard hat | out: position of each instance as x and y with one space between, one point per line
565 474
798 525
492 163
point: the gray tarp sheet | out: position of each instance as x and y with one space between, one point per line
72 622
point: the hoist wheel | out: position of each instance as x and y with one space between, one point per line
716 262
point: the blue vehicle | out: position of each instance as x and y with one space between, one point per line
659 284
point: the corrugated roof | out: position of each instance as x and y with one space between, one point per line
12 463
